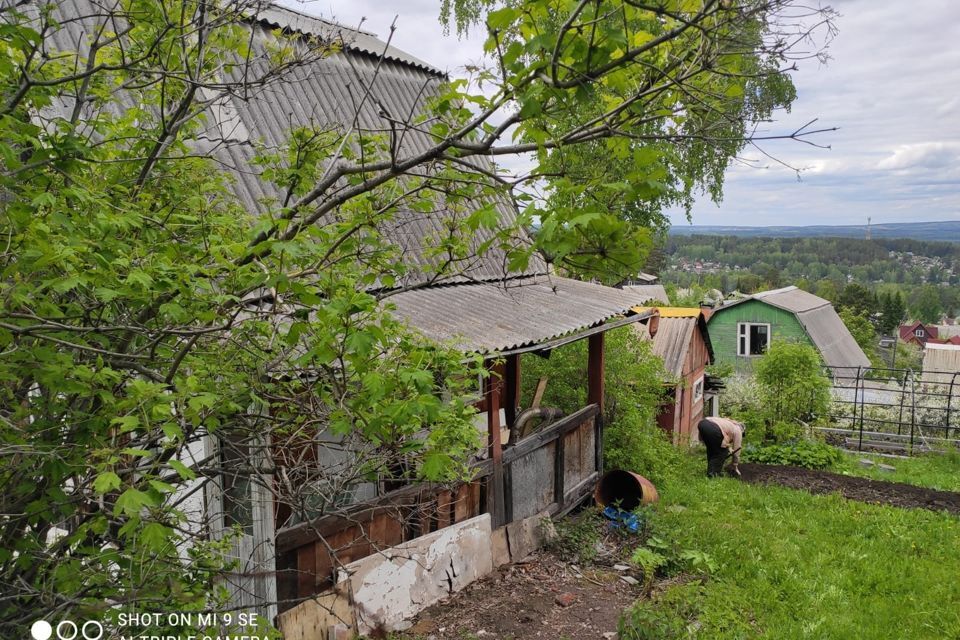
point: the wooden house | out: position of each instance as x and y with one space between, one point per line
742 330
918 333
682 342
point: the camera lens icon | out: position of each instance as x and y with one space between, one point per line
41 630
67 630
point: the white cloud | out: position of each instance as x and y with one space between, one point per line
924 155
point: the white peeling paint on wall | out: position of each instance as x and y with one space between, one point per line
395 585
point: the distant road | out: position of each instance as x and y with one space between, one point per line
944 231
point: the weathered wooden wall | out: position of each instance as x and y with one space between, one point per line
551 470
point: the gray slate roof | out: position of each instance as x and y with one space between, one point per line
672 342
792 299
940 363
648 292
491 318
821 322
326 92
485 307
354 39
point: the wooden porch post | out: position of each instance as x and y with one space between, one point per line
495 490
511 392
595 381
595 370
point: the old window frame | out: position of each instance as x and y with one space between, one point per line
744 342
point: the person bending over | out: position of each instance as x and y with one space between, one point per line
723 439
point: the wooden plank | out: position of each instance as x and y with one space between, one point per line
306 571
595 390
538 394
577 495
533 487
462 505
595 372
444 509
511 391
569 462
290 538
496 494
386 530
559 468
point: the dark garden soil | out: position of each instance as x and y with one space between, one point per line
542 597
896 494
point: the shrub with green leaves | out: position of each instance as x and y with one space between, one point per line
811 454
793 386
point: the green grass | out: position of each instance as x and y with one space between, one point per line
936 471
794 565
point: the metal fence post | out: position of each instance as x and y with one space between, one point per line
863 393
913 408
856 390
953 379
903 393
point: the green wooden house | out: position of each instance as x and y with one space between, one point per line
742 330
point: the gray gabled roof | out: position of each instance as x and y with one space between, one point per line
328 92
486 307
819 319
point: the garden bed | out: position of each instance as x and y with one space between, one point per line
896 494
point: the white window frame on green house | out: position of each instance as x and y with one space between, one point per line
744 346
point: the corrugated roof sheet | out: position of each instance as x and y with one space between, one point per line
325 93
675 331
791 299
353 39
649 292
940 362
495 317
673 312
832 338
672 342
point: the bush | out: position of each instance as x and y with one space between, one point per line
811 454
793 386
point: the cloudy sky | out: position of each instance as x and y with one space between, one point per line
892 87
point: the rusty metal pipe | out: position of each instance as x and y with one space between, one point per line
523 426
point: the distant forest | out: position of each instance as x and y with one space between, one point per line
936 231
921 270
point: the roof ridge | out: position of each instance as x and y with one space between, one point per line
361 41
333 23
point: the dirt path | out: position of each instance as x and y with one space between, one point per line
542 597
896 494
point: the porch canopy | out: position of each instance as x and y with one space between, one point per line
520 315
